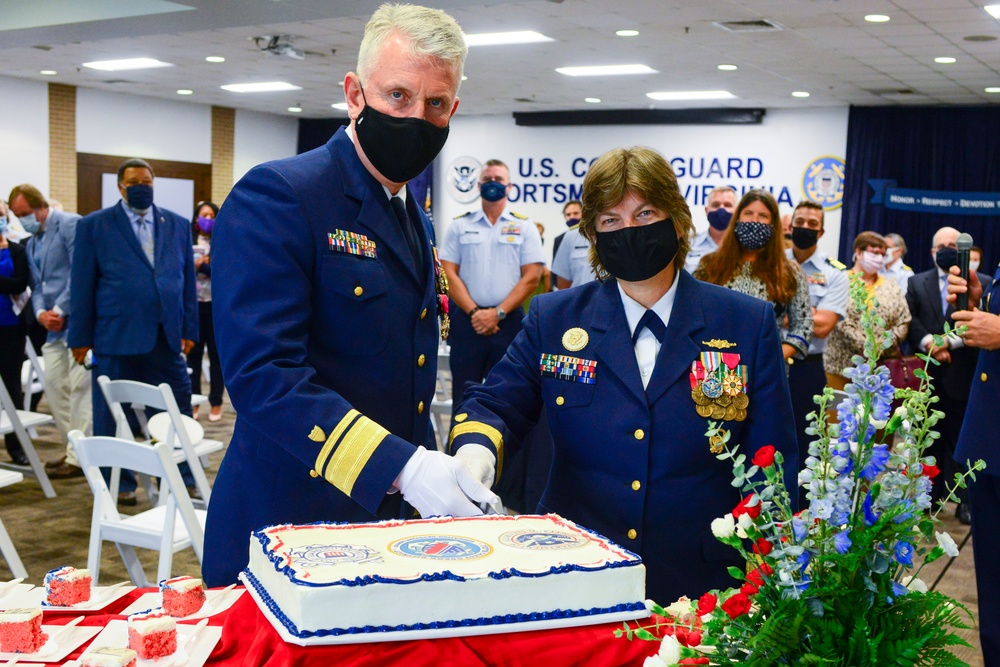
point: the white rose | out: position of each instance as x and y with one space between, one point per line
915 585
945 542
723 527
654 661
670 650
743 524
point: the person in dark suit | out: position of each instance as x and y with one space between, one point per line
327 284
625 367
925 297
133 298
15 277
978 440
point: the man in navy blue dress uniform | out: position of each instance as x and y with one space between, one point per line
327 288
630 370
978 440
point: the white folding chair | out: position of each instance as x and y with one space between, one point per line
17 421
141 396
156 528
32 375
441 407
7 478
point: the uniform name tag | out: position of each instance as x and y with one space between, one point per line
352 244
563 367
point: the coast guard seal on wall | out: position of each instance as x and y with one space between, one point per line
823 182
462 178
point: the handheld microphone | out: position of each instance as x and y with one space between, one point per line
964 244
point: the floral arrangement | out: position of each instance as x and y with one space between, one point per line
837 582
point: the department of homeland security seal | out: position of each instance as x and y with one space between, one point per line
440 547
542 541
323 555
462 178
823 182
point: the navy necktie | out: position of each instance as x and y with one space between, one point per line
409 233
650 320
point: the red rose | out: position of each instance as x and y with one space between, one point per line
931 471
706 604
737 605
762 546
742 508
749 588
764 457
756 576
695 661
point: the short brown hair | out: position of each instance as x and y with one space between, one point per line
641 171
31 194
133 163
808 203
866 240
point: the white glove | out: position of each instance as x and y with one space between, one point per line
480 462
438 485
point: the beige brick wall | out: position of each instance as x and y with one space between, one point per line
223 124
62 144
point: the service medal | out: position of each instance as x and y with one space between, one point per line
712 387
704 410
699 397
718 412
575 339
741 401
732 385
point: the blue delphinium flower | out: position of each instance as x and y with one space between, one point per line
842 541
799 529
904 553
876 463
870 516
899 589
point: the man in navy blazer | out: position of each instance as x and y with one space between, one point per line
326 292
134 298
50 255
631 369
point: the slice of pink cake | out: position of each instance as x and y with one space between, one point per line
67 586
152 634
108 656
21 631
182 596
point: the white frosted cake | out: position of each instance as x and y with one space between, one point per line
325 579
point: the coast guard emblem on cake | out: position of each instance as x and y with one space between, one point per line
823 182
542 541
324 555
441 547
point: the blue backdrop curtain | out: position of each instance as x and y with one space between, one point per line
929 148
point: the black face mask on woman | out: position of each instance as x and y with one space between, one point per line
400 148
637 253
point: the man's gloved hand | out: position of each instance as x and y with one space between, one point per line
438 485
480 461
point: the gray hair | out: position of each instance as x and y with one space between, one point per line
898 241
430 32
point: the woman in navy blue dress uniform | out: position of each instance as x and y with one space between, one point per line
630 369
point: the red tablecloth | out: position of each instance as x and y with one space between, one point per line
249 640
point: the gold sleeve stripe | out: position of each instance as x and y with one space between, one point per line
483 429
352 454
331 442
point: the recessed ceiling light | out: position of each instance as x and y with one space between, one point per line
342 106
185 91
295 109
126 64
49 72
876 18
992 89
496 38
627 33
465 78
727 68
215 59
945 60
800 93
263 87
994 10
592 100
606 70
691 95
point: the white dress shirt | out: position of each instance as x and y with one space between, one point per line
647 347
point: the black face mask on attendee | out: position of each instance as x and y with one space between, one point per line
946 258
638 253
753 235
400 148
719 219
804 238
572 221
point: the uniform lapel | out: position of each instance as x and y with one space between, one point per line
124 227
613 341
161 237
679 346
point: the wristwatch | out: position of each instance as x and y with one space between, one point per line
501 313
474 311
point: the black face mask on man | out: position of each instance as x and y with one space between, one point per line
804 238
638 253
400 148
946 258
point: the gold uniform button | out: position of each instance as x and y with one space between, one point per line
636 485
423 313
560 400
421 360
358 291
631 533
983 377
420 408
313 473
639 434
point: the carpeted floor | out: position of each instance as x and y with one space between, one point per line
52 532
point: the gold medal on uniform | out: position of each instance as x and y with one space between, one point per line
441 287
719 385
575 339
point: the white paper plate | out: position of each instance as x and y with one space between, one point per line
441 633
100 597
215 602
12 594
62 641
190 652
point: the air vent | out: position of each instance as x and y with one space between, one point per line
114 81
891 92
755 25
980 38
524 100
42 47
